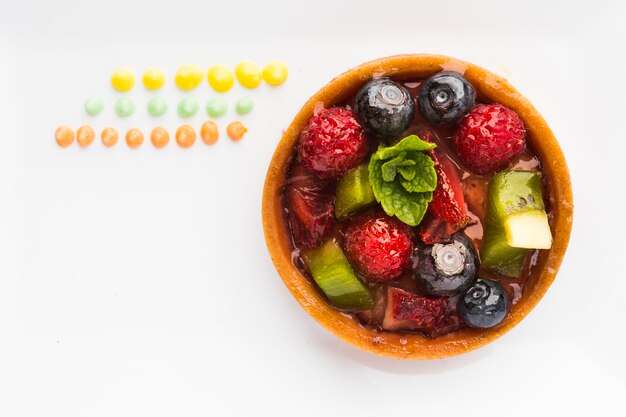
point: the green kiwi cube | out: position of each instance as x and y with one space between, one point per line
516 222
354 192
334 275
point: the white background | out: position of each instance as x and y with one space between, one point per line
137 282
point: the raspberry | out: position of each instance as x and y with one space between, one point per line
332 143
378 246
489 137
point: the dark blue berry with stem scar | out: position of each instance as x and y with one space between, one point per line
447 268
446 97
384 107
484 305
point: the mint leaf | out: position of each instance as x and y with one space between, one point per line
406 195
390 168
410 143
396 201
427 178
408 172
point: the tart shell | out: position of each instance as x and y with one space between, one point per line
407 345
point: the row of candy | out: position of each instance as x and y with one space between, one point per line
219 76
185 135
158 106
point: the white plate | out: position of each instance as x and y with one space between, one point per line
137 282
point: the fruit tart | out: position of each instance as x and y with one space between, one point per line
418 206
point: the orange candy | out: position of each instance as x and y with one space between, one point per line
209 132
85 136
64 136
236 130
134 138
185 136
159 137
109 137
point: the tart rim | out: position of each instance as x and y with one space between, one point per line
410 345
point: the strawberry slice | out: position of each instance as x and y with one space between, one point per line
311 208
406 311
447 212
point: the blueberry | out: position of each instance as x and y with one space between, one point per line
484 305
384 107
446 97
445 269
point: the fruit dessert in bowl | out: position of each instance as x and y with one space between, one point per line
418 207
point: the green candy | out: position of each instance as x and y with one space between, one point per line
188 107
124 107
216 107
244 105
94 106
157 106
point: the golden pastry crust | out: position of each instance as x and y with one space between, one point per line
404 345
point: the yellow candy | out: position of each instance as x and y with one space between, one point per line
189 77
123 79
248 74
220 78
153 79
275 73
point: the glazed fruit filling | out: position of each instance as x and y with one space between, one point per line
417 207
